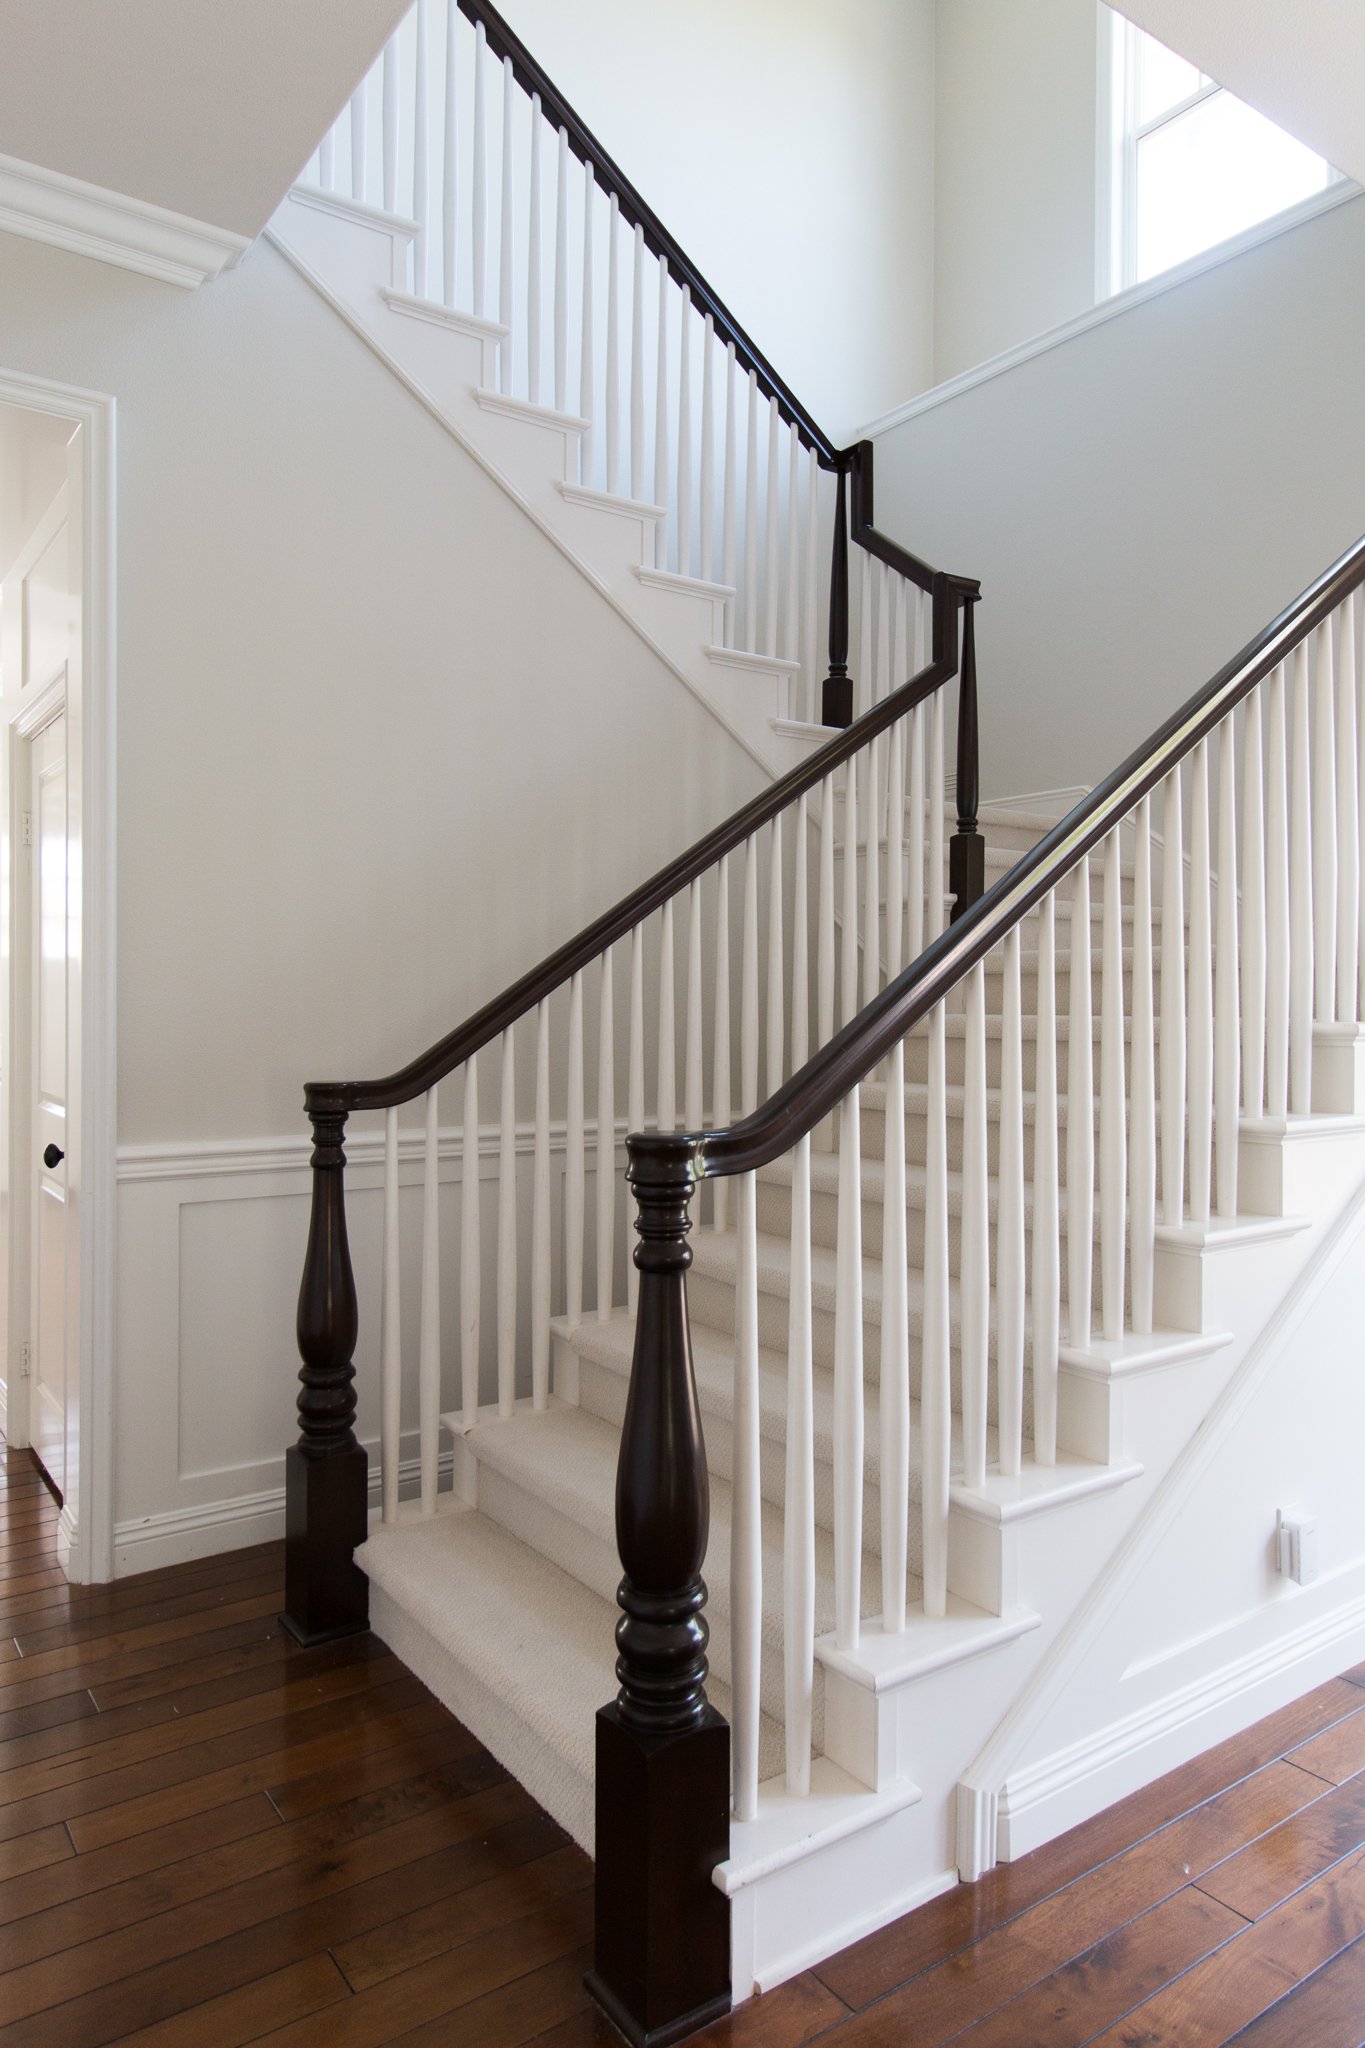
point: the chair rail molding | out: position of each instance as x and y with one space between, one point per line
89 220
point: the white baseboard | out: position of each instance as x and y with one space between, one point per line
1053 802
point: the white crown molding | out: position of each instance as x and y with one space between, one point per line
1292 217
67 213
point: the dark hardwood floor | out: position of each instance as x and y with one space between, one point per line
210 1837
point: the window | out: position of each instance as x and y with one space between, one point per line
1192 164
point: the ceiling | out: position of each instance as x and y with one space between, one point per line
1303 64
210 110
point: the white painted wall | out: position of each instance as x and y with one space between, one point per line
1014 167
789 147
1302 65
380 748
32 471
1141 499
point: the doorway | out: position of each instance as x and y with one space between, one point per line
56 919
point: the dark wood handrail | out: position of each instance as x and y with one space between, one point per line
322 1097
810 1095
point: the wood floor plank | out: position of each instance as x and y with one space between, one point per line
1073 2004
416 1936
32 1852
313 1791
189 1681
240 2017
1338 1753
1207 2006
21 1689
515 2013
154 1849
88 1628
1327 2010
795 2013
87 1656
1258 1877
956 1993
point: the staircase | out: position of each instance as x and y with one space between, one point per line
971 1165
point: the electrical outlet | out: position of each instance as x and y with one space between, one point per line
1297 1541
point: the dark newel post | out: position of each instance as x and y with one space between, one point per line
836 706
662 1963
326 1594
967 849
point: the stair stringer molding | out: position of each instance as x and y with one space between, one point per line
1188 1634
355 258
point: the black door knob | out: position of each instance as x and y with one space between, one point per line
53 1156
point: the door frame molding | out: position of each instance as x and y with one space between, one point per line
86 1527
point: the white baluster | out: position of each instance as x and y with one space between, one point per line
606 1143
470 1265
1142 1100
327 161
1199 1076
507 1230
798 1506
694 1102
561 314
975 1279
1046 1288
914 886
720 1026
390 1336
535 275
1301 976
706 511
849 964
894 1387
801 940
791 629
637 368
935 909
772 534
848 1384
810 651
450 174
421 197
666 1085
429 1337
635 1075
389 125
749 594
746 1527
360 142
506 226
574 1163
1080 1129
727 506
1324 831
479 224
895 851
1227 1043
1276 900
872 862
1113 1100
613 396
748 993
776 1017
1348 819
1172 1005
1253 929
1010 1271
864 643
824 967
661 422
541 1254
1353 674
586 406
685 434
936 1407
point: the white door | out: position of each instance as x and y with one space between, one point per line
48 1122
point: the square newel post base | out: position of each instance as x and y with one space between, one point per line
662 1964
325 1519
966 870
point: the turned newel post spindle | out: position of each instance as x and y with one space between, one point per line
967 849
326 1594
662 1962
837 699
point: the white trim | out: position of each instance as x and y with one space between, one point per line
91 1516
1045 801
1122 302
230 1158
89 220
